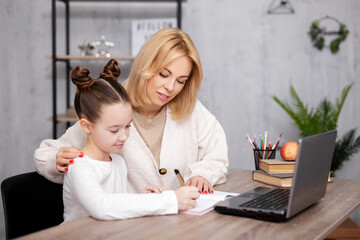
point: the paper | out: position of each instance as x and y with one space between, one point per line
206 202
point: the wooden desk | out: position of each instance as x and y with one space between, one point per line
342 198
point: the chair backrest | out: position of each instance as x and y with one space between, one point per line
31 203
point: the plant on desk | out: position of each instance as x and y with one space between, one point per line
322 119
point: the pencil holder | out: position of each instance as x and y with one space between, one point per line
263 154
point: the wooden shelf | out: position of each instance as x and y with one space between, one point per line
67 59
69 116
71 57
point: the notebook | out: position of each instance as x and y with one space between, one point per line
205 203
310 179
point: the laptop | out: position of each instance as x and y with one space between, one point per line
309 184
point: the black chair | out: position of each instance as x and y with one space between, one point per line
31 203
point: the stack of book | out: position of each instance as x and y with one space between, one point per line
277 166
276 172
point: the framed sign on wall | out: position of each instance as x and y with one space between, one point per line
142 29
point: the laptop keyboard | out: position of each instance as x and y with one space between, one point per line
273 200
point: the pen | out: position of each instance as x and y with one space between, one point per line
262 148
249 139
275 145
257 150
277 142
260 140
265 139
181 180
253 145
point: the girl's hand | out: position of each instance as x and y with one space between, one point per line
186 197
153 189
66 156
201 183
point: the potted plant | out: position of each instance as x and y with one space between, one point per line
322 119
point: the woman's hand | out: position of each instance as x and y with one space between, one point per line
186 197
201 183
66 156
153 189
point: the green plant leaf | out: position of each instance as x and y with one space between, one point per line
340 102
334 45
319 41
319 44
345 147
303 116
326 116
302 110
322 119
315 23
314 33
343 35
288 109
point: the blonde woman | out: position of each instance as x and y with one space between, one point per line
171 128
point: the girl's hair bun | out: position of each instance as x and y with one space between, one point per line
111 71
80 77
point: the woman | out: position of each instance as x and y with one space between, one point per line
172 129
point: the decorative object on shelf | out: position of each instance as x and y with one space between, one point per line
280 7
322 119
142 29
102 47
86 48
319 31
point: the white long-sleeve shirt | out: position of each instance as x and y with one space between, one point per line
99 189
195 146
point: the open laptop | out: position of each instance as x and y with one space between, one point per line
309 184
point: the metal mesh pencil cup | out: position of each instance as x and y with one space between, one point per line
260 154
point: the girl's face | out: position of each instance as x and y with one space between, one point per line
163 87
110 132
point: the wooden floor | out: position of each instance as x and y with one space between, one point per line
347 230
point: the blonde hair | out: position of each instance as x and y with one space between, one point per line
157 52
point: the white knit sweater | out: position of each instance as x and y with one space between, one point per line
98 189
195 146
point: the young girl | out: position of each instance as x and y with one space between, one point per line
96 184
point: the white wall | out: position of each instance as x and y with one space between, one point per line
247 55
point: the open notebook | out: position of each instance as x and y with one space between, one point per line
205 203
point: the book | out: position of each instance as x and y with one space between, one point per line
279 180
205 203
277 166
283 180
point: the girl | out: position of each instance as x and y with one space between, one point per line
171 128
96 184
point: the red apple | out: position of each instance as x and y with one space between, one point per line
289 150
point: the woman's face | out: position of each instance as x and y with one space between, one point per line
163 87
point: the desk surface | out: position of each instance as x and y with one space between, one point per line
342 198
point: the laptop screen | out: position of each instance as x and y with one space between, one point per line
311 171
